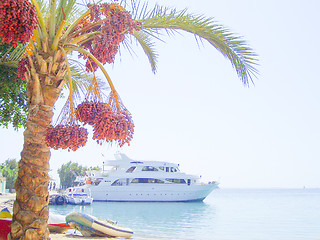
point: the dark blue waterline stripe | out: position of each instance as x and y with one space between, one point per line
192 200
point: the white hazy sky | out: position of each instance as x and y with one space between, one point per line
196 112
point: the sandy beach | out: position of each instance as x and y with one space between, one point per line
6 200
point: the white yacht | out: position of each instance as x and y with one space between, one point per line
144 181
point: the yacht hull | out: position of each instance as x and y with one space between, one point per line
156 193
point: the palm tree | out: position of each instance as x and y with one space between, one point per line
96 35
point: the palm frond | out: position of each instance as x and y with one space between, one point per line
59 11
43 4
143 38
61 7
42 26
10 57
233 47
72 11
52 19
67 7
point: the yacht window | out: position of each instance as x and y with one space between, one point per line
153 180
158 181
146 180
175 180
136 180
119 182
148 168
97 181
131 169
173 169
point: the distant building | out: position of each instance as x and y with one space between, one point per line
2 184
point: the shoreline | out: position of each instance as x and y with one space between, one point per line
65 236
7 199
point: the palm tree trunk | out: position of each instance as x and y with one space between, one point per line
30 211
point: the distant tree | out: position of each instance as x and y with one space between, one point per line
97 168
68 173
9 170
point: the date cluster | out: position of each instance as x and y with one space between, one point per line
109 124
115 23
66 136
18 19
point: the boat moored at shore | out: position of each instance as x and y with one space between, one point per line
144 181
78 196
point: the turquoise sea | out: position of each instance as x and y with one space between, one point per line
227 214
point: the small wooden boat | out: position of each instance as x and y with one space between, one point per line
91 226
57 223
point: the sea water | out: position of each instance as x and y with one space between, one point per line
226 214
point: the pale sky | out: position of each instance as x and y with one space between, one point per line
196 112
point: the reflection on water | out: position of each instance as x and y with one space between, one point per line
165 220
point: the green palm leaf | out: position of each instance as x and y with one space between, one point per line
143 38
233 47
9 56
